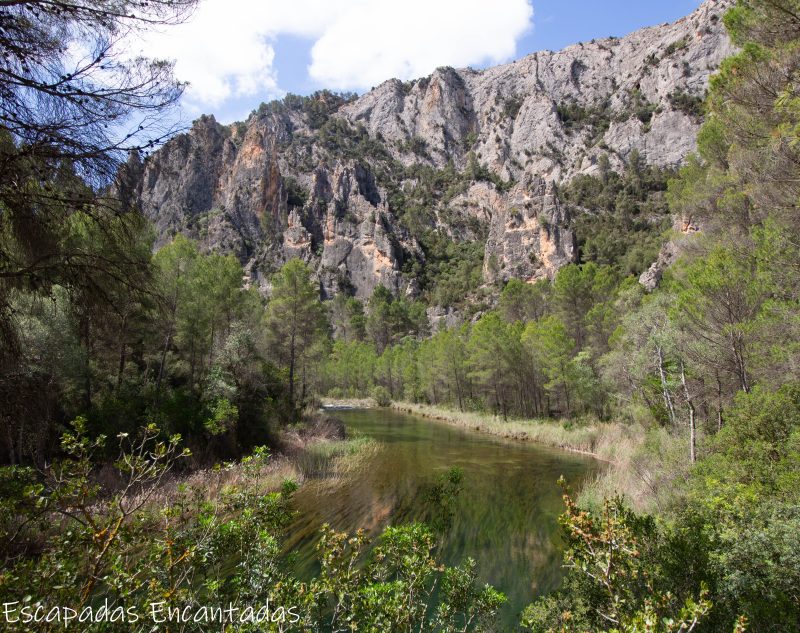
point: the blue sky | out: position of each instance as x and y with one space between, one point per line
557 24
238 53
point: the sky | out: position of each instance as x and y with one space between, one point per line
236 54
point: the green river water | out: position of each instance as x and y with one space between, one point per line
506 514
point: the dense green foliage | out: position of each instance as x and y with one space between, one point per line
537 355
185 349
576 117
202 552
295 323
102 338
620 219
714 350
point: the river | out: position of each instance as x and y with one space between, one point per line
506 514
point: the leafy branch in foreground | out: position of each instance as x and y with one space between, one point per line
151 548
81 533
395 589
613 583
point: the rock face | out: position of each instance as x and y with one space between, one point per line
528 234
225 186
348 223
509 115
324 178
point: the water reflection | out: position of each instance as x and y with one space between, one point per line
505 516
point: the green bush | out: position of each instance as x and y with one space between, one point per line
381 396
688 104
64 541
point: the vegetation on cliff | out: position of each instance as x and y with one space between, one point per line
171 355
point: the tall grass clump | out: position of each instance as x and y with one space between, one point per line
335 459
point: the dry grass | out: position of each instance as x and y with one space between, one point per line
642 467
348 403
302 458
648 475
604 441
210 483
336 460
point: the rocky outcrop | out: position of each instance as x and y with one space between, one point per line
324 179
228 188
222 185
669 253
360 243
529 236
512 116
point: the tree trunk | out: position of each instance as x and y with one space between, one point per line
12 456
566 390
192 362
87 369
692 422
163 361
664 386
303 390
457 378
741 370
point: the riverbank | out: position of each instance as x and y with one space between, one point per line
633 469
607 442
621 446
348 403
316 450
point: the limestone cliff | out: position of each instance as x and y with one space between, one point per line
510 115
332 180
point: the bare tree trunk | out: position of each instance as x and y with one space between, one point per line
566 390
303 389
291 375
170 334
692 422
535 394
457 378
163 361
741 370
719 401
664 386
192 364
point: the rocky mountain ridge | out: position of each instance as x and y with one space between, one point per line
361 187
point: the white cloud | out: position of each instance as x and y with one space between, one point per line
226 51
380 40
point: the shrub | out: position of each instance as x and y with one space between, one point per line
512 106
688 104
676 46
381 396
